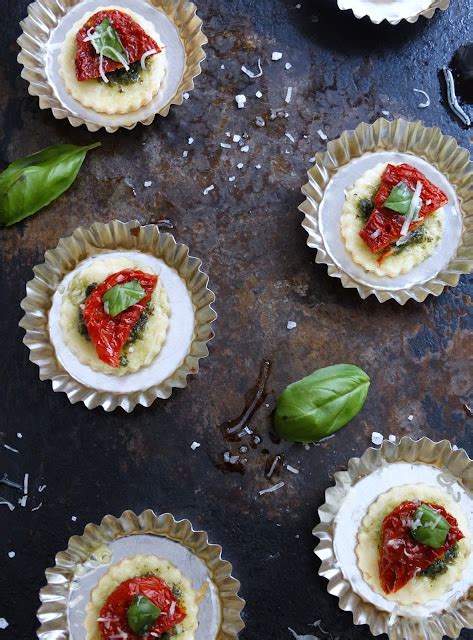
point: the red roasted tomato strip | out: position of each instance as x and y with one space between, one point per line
389 222
133 38
113 621
108 334
402 557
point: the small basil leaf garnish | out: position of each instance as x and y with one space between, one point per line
320 404
122 296
106 41
142 614
400 199
429 527
29 184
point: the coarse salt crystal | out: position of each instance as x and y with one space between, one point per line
321 134
377 438
225 145
240 100
392 438
312 159
288 66
208 189
276 55
385 113
74 518
190 140
185 154
258 94
3 623
410 418
195 445
259 121
240 165
231 179
257 166
19 435
245 148
291 324
147 183
222 66
11 554
185 96
236 138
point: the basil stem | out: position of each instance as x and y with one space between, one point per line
29 184
107 42
142 614
122 296
429 527
320 404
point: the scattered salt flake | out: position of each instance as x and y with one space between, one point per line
307 447
252 74
231 179
385 113
22 501
42 487
312 159
240 165
185 96
377 438
7 446
225 145
392 438
298 6
7 503
290 137
288 97
185 154
147 183
25 483
19 435
291 324
298 637
11 554
321 134
257 166
276 55
3 623
222 66
240 100
236 138
37 507
195 445
292 469
259 121
208 189
410 418
288 66
275 487
454 447
258 94
245 148
190 140
74 518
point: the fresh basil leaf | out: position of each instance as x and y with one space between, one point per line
320 404
29 184
142 614
122 296
430 527
107 42
399 199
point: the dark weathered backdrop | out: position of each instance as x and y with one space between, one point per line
248 234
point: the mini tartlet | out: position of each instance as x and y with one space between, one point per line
118 315
140 576
395 539
119 84
393 11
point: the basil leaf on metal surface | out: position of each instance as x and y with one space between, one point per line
399 199
142 614
431 528
106 41
122 296
321 403
29 184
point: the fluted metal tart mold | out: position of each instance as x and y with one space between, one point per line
44 18
364 8
408 138
449 622
55 596
96 240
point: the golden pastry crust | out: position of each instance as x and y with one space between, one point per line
420 589
133 567
351 224
139 354
112 98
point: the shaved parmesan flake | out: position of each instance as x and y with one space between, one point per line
273 466
42 487
452 98
375 233
288 97
321 134
291 324
7 446
8 503
38 507
222 66
195 445
25 483
208 189
145 55
423 105
3 623
258 94
251 74
298 637
377 438
275 487
290 137
172 608
292 469
276 55
240 100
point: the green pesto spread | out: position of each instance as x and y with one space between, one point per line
124 77
441 565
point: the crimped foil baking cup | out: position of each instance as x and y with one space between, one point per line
393 12
346 159
187 335
46 26
421 458
87 557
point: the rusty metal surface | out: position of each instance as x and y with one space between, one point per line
248 234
